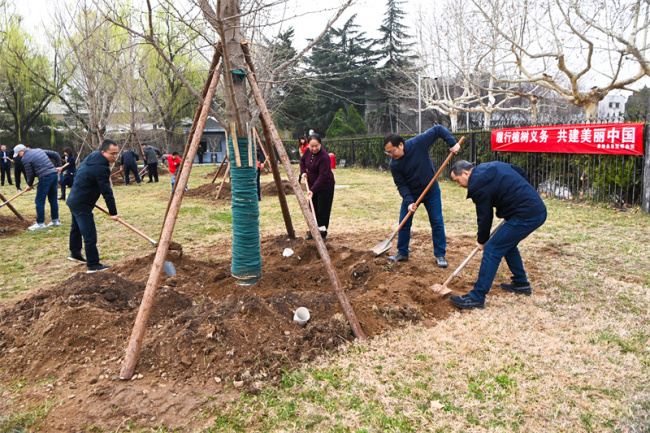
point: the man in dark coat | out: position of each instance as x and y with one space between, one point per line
38 163
5 164
151 159
412 170
91 180
19 170
506 188
129 162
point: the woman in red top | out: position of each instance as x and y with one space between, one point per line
302 145
315 166
173 161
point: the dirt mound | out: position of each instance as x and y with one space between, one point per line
11 225
206 333
209 191
271 190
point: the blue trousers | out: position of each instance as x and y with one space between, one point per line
46 188
503 244
433 205
83 228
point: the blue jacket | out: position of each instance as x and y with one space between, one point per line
413 171
506 188
91 180
37 163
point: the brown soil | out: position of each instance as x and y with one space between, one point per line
11 225
209 191
208 336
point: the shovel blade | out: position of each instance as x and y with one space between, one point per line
440 289
382 247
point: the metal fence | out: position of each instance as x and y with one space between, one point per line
611 179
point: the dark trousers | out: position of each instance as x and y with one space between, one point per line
259 185
19 171
46 189
83 228
128 168
5 169
323 207
503 244
153 172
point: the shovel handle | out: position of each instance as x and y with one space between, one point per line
471 255
311 202
129 226
17 195
426 190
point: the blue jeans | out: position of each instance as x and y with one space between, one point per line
503 244
433 206
46 188
83 227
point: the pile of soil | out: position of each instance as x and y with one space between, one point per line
207 335
209 191
11 225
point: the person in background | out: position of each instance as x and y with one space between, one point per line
302 145
91 180
68 175
19 170
201 151
173 162
37 163
506 188
129 162
412 170
151 159
5 164
261 160
315 167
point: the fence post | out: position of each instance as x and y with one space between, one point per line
472 147
645 200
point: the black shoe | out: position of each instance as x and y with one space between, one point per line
77 258
399 258
19 189
61 198
441 262
96 268
518 288
308 238
465 302
151 181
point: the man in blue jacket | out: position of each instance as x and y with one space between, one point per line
38 163
412 170
506 188
92 179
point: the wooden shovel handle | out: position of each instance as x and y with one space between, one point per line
311 202
17 195
471 255
125 224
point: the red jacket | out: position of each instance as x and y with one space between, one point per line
173 163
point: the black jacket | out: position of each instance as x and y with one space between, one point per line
92 179
506 188
129 157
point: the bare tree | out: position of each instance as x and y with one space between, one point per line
551 46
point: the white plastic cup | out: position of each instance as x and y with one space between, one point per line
169 269
301 316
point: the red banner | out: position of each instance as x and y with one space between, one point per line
601 138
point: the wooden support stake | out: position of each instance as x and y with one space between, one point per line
282 197
259 140
219 169
250 144
235 143
13 209
304 206
155 275
223 181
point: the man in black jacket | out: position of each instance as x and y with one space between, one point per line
129 162
506 188
151 159
92 179
5 164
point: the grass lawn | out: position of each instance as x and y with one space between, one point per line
575 356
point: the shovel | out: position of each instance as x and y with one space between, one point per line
124 223
443 289
16 196
387 245
311 205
